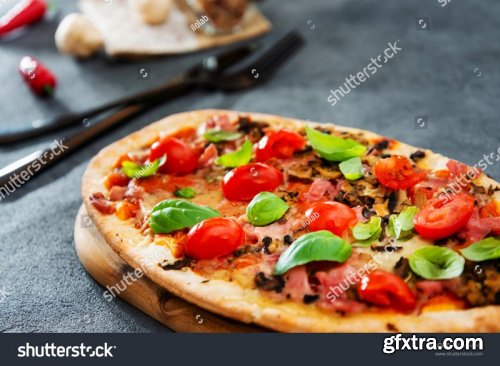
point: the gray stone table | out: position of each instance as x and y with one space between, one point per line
447 73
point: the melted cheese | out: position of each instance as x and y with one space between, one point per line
386 260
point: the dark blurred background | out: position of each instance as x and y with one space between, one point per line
440 92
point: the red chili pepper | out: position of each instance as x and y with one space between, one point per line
23 13
37 76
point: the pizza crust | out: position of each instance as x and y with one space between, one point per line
249 305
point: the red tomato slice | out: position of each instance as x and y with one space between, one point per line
279 144
181 158
444 216
332 216
397 172
387 290
213 237
244 182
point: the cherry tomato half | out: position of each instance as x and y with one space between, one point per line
279 144
332 216
387 290
213 237
181 158
444 216
244 182
397 172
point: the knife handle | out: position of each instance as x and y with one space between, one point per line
19 172
45 125
16 174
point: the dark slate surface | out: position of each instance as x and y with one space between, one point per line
449 73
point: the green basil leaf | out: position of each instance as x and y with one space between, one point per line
221 135
406 216
316 246
187 192
174 214
333 148
265 208
436 263
237 158
483 250
352 168
401 226
132 170
368 232
394 227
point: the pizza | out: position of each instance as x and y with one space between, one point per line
302 227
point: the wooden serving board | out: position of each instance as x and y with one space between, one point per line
126 35
108 269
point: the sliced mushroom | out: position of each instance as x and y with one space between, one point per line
300 171
328 172
381 208
397 200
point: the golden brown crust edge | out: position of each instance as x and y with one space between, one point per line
229 299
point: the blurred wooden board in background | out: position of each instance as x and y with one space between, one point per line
126 35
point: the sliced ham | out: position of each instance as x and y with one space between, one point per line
102 204
359 213
461 176
219 122
432 288
477 228
318 189
297 283
208 156
425 190
276 231
333 286
461 170
456 179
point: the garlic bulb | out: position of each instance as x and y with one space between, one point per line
77 36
